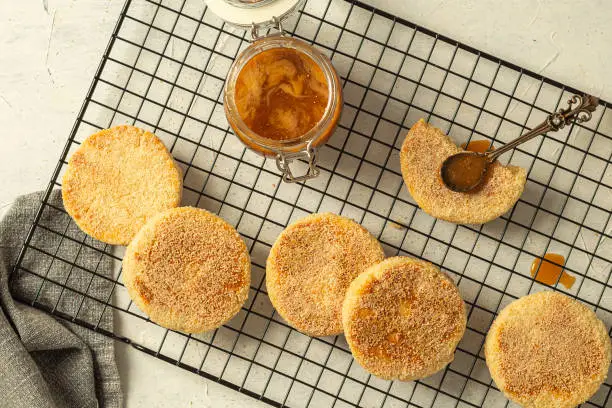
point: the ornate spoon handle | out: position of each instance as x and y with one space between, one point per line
582 112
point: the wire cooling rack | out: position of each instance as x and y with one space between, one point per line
164 69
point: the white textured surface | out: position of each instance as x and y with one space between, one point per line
568 41
151 383
50 50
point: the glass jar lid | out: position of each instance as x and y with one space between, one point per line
250 13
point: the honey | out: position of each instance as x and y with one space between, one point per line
394 337
365 313
235 285
281 94
477 146
550 271
465 170
405 308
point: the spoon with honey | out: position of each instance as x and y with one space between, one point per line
463 172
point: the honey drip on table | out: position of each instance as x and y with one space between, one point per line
477 146
549 273
281 94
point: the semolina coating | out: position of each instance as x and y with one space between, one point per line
547 350
310 267
117 180
423 152
403 319
188 270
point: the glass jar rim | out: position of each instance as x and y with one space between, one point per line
249 4
281 41
261 15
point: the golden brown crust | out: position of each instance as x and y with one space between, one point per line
403 319
546 350
421 157
188 270
311 265
117 180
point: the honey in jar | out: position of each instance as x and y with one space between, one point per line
281 94
283 99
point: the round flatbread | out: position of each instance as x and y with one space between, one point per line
546 350
117 180
403 319
310 267
421 157
187 269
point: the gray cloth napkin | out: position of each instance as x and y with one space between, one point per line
44 361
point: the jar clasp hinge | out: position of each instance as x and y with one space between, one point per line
284 160
276 24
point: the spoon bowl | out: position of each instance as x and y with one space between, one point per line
464 171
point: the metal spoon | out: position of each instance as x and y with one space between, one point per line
465 171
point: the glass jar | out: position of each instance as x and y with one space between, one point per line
290 125
304 145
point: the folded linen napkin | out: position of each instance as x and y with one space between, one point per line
44 361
